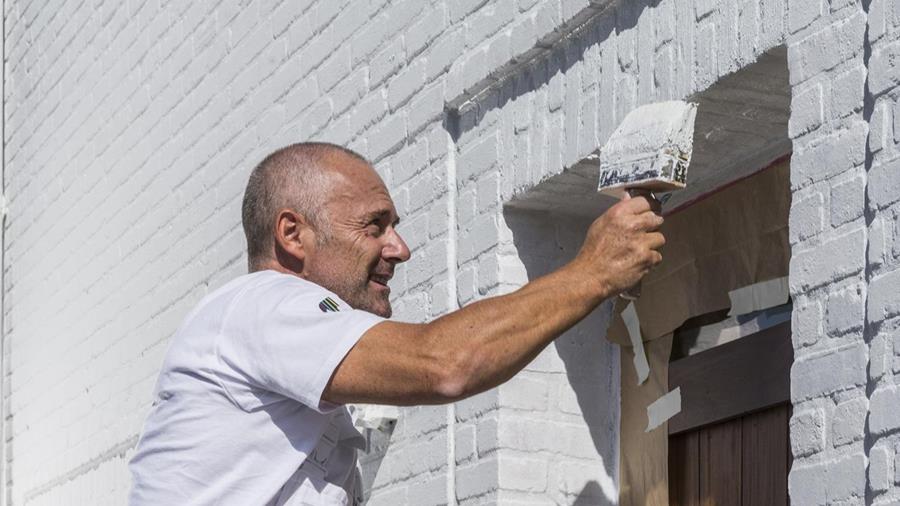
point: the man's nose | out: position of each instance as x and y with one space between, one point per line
395 249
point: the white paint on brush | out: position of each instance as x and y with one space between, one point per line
652 127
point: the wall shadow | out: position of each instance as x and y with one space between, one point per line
545 241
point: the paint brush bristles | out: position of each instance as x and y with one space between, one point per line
651 149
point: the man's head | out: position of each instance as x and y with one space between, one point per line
321 212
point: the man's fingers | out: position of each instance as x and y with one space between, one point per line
649 221
636 205
655 240
641 204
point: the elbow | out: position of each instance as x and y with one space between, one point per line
455 378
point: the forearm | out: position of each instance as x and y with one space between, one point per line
489 341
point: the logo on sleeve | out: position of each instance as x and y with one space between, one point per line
328 304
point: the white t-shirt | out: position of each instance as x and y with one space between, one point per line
237 416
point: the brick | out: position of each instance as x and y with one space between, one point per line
533 435
830 155
848 422
879 246
487 444
846 478
424 189
880 127
829 371
526 393
847 92
895 237
488 273
806 217
286 14
431 491
386 63
848 201
896 466
833 260
478 236
523 474
802 13
317 117
346 22
368 111
460 9
880 474
426 107
406 84
846 310
387 137
884 184
421 33
477 480
368 40
443 53
334 69
883 410
883 301
895 112
884 68
806 484
465 443
807 111
879 357
807 433
806 323
478 159
880 13
487 21
466 285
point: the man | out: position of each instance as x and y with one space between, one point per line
249 408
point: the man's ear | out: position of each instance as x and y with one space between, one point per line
293 238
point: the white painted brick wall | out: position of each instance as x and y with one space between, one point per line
131 128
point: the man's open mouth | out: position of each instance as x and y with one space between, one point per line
380 279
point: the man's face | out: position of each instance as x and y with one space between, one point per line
355 258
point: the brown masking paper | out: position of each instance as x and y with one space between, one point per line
644 456
733 238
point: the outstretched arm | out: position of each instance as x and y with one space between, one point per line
486 343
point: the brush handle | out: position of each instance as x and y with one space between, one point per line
634 292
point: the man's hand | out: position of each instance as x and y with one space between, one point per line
622 245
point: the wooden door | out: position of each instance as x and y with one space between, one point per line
742 462
729 446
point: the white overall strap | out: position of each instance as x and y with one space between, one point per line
316 463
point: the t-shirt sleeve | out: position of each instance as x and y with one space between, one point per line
287 346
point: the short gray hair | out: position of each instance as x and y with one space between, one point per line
292 177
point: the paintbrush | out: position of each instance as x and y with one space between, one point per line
648 153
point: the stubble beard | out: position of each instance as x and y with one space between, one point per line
356 292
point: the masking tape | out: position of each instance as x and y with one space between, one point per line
758 296
630 318
663 408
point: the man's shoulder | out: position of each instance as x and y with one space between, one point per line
262 292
